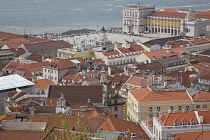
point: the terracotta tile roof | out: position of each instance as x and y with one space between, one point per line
69 76
124 50
62 64
159 54
65 63
61 134
186 76
86 113
199 41
13 41
203 16
51 101
21 135
112 124
79 78
170 10
197 135
92 72
77 93
6 35
205 74
168 14
198 14
2 65
206 52
150 66
163 41
206 116
111 53
201 65
79 104
97 61
146 95
37 58
47 48
18 52
2 117
170 118
43 83
26 66
136 48
201 96
45 109
138 81
92 123
11 94
201 58
119 79
170 59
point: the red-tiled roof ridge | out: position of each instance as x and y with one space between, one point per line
168 14
112 129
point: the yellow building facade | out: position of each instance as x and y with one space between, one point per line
72 53
163 25
143 104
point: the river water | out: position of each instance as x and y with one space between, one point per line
40 16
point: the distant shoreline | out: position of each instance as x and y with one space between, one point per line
81 31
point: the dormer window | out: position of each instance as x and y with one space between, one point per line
193 123
184 123
176 124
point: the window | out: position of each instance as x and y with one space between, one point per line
115 108
184 123
116 116
168 136
172 107
197 106
158 108
180 107
176 124
115 101
151 115
150 108
187 107
204 106
193 123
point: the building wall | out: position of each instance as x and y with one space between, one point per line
202 105
163 132
140 111
88 54
51 74
165 106
142 58
198 48
116 106
6 56
132 108
137 19
134 18
163 25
